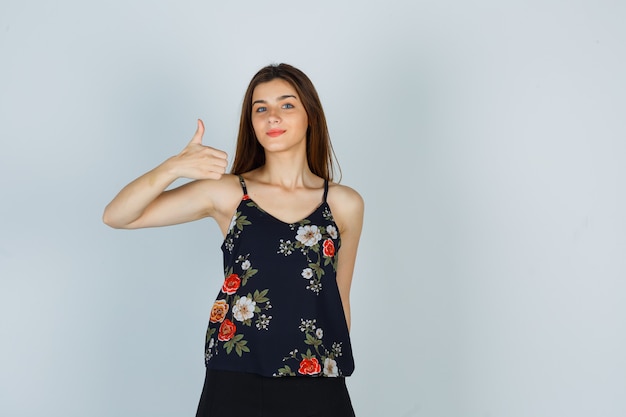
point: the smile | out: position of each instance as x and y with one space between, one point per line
275 132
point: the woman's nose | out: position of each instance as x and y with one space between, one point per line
273 116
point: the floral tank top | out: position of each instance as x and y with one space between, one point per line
279 312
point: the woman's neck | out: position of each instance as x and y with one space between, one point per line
285 170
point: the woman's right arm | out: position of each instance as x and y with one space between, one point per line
145 203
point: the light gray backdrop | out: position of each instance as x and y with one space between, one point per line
487 138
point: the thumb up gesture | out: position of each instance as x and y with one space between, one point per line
200 162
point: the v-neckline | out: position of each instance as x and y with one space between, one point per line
262 210
246 197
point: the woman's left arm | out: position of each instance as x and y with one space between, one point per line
347 207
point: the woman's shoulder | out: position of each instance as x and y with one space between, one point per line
227 184
221 192
345 202
344 194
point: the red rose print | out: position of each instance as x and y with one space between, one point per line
227 331
329 248
231 284
310 367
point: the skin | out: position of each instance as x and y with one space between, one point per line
284 187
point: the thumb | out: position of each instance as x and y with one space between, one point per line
197 137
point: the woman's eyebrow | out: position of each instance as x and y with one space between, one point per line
277 99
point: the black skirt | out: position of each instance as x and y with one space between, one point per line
238 394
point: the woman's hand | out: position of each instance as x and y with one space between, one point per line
145 203
197 161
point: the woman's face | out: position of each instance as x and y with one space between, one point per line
278 117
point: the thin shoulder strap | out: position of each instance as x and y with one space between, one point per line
243 185
325 190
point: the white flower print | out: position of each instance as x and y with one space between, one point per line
244 309
263 322
245 265
327 214
286 248
208 353
233 221
308 235
307 325
332 231
319 333
316 287
330 368
307 273
336 349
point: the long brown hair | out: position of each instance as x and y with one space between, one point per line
319 150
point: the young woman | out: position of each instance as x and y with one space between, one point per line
278 340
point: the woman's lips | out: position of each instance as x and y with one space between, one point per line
275 132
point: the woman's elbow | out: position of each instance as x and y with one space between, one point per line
111 221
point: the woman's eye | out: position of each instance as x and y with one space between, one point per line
287 106
260 109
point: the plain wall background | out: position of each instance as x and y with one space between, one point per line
487 138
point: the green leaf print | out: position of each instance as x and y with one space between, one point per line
250 272
311 340
260 297
286 371
209 333
246 275
241 221
307 355
233 342
241 347
317 269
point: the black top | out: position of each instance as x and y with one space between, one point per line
279 312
